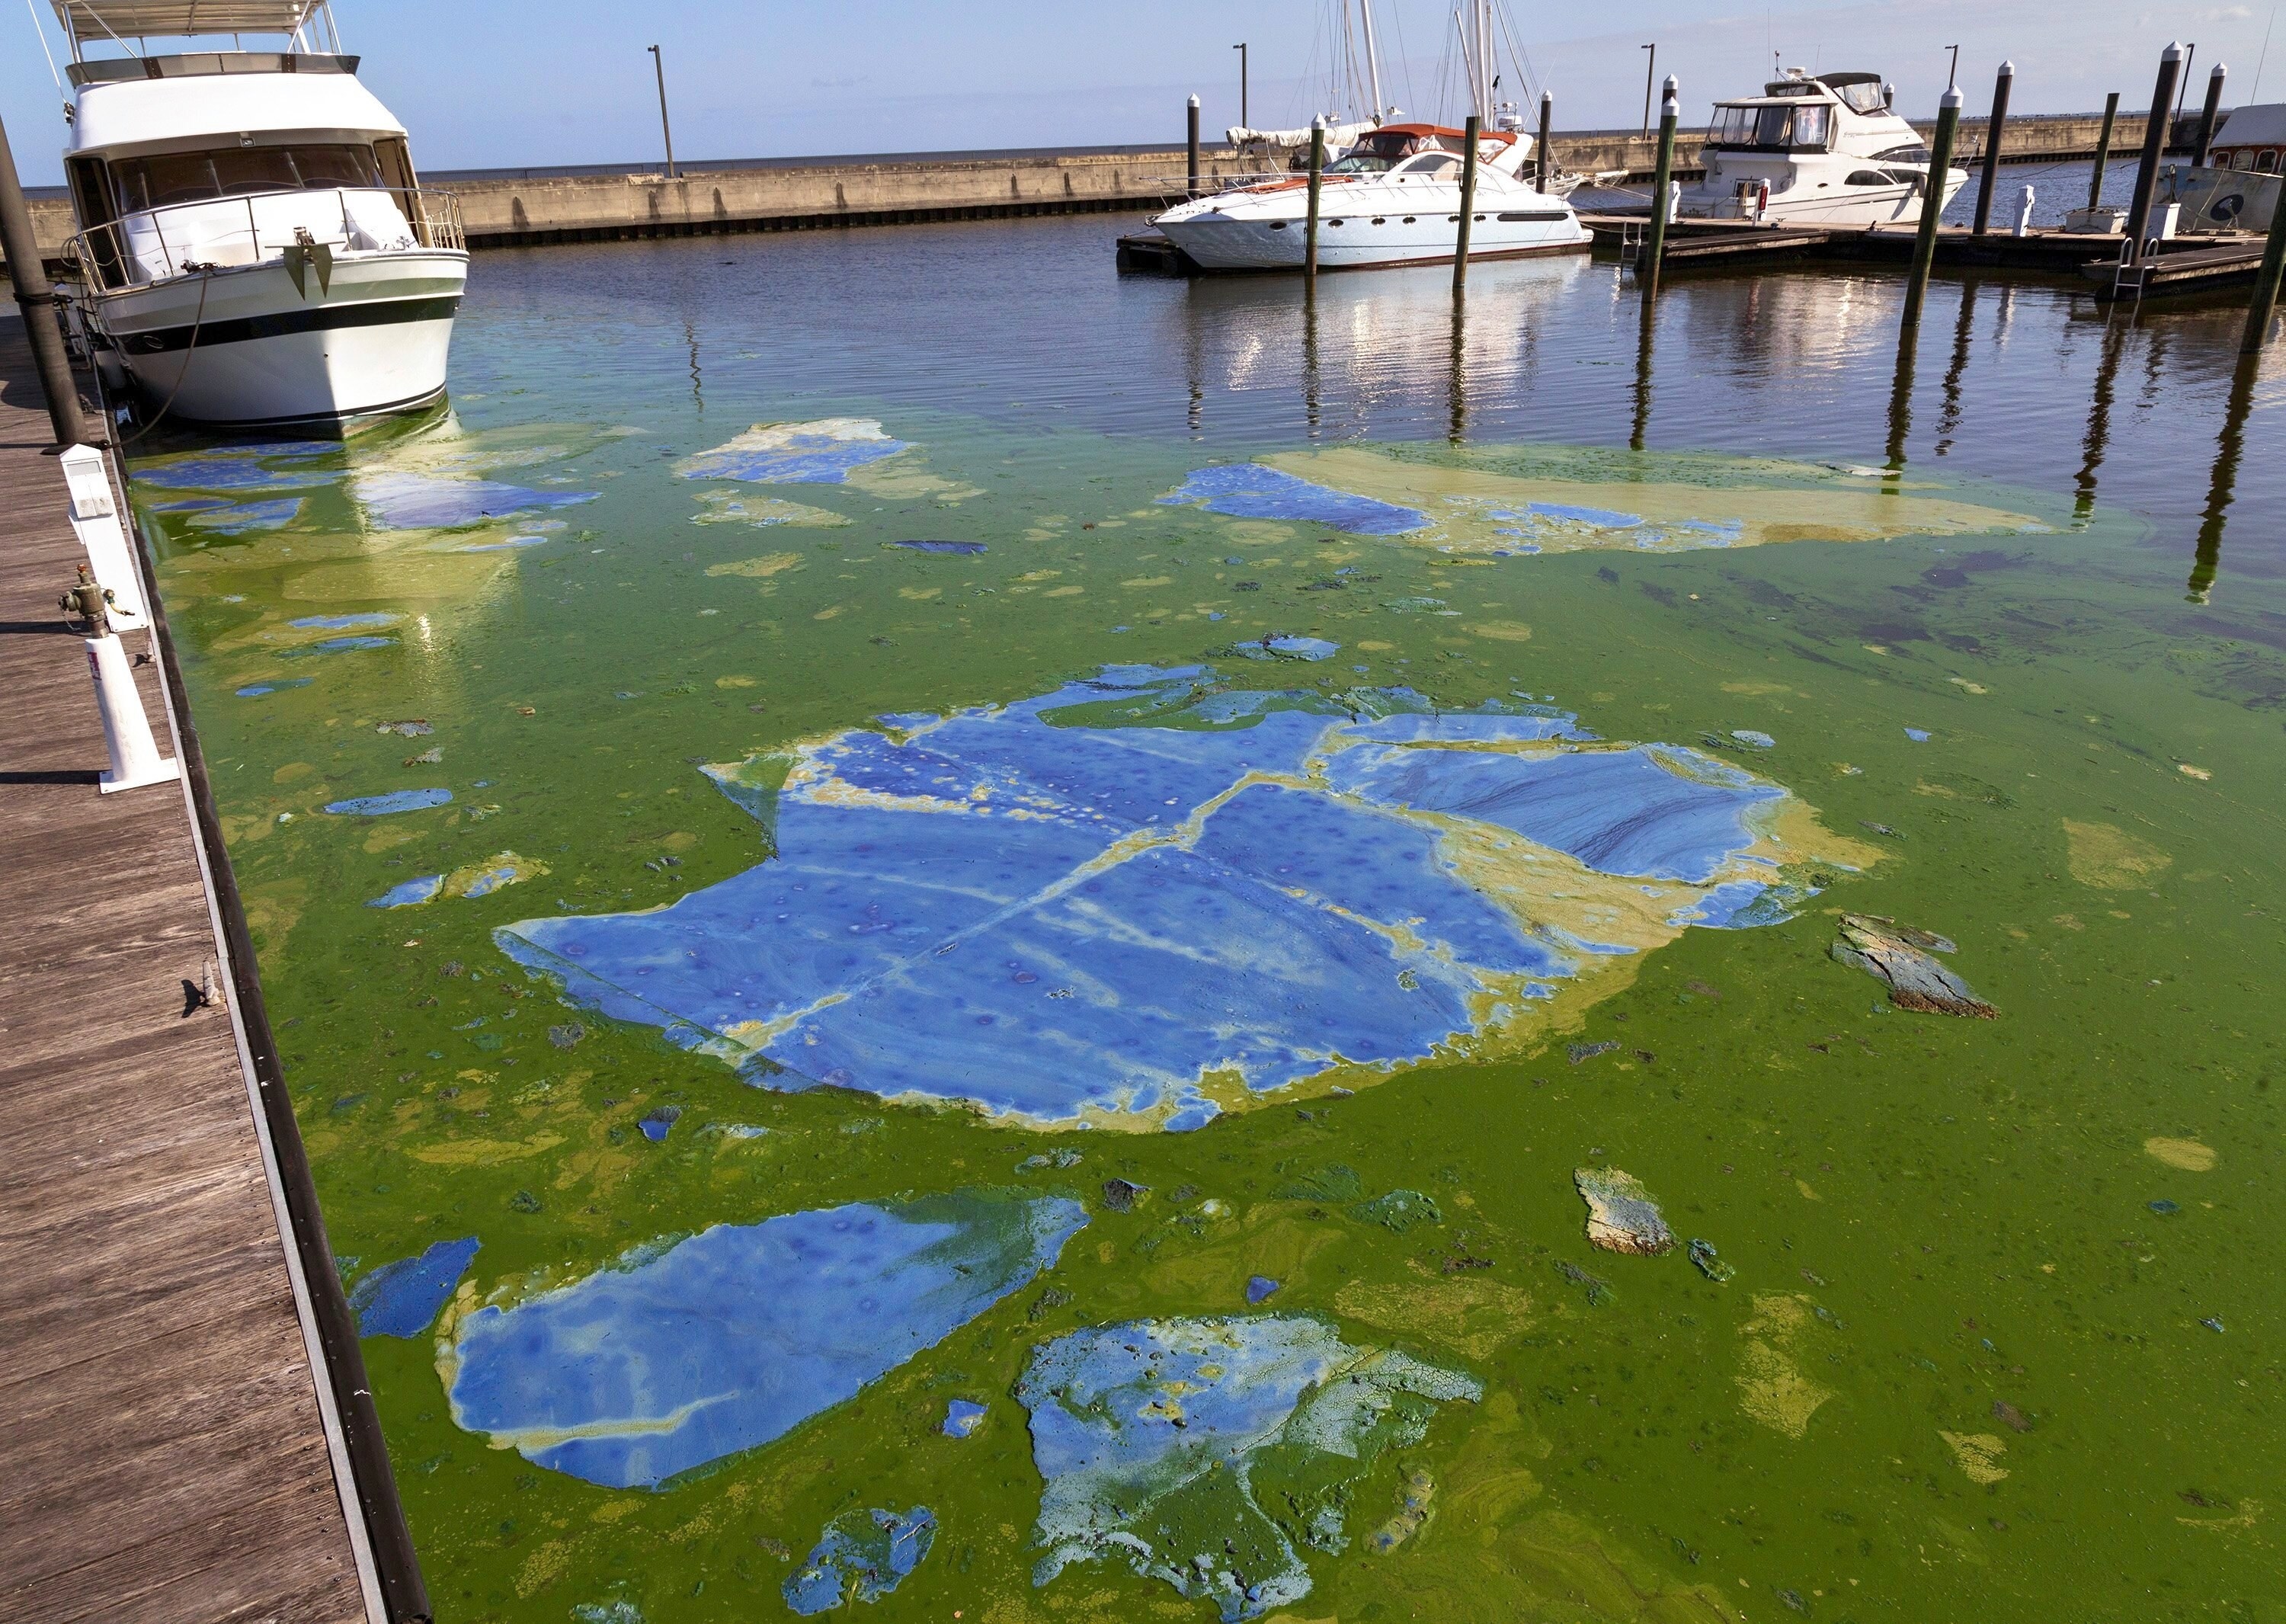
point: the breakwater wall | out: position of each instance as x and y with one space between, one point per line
510 208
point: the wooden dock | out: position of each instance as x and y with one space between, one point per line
172 1449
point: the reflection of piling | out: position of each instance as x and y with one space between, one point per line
2228 449
2001 86
1456 396
2266 283
1646 321
1546 149
1901 400
1193 191
2208 115
1316 193
1940 169
2102 151
1655 245
37 300
1948 417
2097 439
2155 143
1470 132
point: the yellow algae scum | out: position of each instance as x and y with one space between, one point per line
1551 504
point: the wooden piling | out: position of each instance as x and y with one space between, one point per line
2208 115
1317 190
1546 149
2102 151
1193 182
37 300
1470 132
1948 122
2259 309
2155 144
2001 86
1663 176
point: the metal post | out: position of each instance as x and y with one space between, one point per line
1547 158
1948 122
37 301
1317 187
1243 121
660 62
1470 132
1655 245
1650 72
2001 86
2155 143
1194 190
2266 283
2207 116
2102 150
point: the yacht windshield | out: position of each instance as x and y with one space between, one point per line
159 179
1770 127
1863 97
1359 164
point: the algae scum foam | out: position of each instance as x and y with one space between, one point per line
918 986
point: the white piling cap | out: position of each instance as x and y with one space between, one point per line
1194 102
2007 70
2173 52
1952 98
2217 71
1672 85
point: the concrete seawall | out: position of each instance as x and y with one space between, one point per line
523 207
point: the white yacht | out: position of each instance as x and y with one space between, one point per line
2236 189
1814 150
255 248
1393 199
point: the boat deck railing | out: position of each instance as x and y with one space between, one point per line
137 250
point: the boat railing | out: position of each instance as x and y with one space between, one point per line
188 239
1251 180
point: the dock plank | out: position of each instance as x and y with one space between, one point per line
165 1457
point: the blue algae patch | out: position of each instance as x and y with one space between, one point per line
1280 646
242 472
424 501
1603 518
942 547
1089 901
1249 491
866 1554
962 1417
677 1356
657 1124
826 451
1260 1288
1214 1453
1920 736
492 879
343 623
402 1298
513 542
337 645
396 801
255 690
412 894
191 504
237 519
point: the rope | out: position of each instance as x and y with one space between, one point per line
206 279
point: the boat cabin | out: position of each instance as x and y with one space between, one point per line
2253 139
1795 115
1413 149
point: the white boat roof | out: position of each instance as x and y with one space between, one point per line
156 114
94 20
2263 125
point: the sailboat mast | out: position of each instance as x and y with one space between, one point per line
1372 58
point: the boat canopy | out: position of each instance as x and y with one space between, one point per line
118 21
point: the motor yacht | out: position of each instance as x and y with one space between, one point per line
255 248
1393 199
1827 149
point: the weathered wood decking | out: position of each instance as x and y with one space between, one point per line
164 1453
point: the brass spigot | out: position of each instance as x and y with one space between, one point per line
90 602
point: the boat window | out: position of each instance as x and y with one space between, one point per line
1434 163
1903 155
1359 164
159 179
1811 125
1862 98
1769 128
1868 178
2266 164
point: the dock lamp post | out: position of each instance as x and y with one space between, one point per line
1650 70
1243 122
659 63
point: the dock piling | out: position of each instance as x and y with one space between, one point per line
1193 181
2265 301
2155 143
1948 123
1469 133
1317 190
1662 195
2001 86
2102 151
37 300
2208 115
1546 160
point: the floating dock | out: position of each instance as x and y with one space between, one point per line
173 1449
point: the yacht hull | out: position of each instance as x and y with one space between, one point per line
1858 207
1359 243
245 347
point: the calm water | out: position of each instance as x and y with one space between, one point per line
1042 1074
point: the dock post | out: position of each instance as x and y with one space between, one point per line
37 300
2265 284
2207 116
1468 136
2001 86
1194 190
1655 245
1317 189
2155 143
1547 161
1948 122
2102 151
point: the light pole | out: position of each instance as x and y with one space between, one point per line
1241 49
1650 70
660 62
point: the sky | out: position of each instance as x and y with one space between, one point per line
487 85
